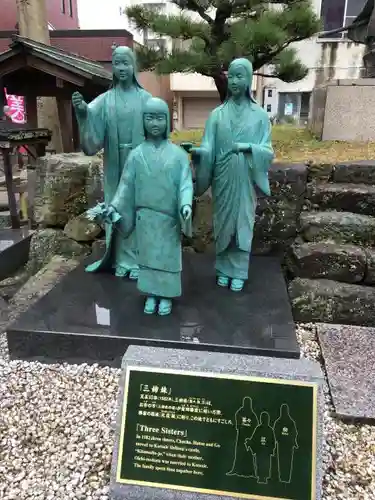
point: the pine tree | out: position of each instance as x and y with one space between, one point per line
214 32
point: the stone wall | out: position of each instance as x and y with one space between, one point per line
67 185
320 218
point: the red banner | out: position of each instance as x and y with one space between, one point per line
16 108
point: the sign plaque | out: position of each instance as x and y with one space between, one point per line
235 436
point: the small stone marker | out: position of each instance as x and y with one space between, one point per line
201 425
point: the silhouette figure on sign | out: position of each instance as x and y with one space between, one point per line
286 442
246 423
263 446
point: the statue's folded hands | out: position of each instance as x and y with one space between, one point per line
240 147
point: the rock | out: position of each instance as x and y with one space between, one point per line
202 223
277 215
10 286
320 172
327 301
80 228
370 268
5 221
340 227
275 224
49 242
288 181
360 172
327 260
98 248
94 180
41 283
356 198
188 249
66 186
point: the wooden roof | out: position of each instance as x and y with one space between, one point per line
43 67
94 44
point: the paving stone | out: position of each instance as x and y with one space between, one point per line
349 357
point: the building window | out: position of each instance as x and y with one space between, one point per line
63 6
158 44
70 8
158 8
269 93
269 108
336 14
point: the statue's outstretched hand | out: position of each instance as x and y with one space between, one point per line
79 103
186 212
197 151
187 146
191 149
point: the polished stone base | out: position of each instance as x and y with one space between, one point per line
14 250
93 318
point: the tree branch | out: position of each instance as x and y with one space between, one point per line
223 12
261 61
195 7
173 26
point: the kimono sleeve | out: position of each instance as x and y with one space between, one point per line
92 126
262 153
261 157
186 192
205 164
124 200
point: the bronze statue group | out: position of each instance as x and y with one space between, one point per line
148 186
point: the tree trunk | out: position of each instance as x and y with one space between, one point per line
221 83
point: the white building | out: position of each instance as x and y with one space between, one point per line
330 58
195 96
94 15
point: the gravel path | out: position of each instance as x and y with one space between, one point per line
56 433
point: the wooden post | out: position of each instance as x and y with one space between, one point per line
32 121
33 24
14 216
32 111
66 121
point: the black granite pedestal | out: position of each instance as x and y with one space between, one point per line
93 318
14 250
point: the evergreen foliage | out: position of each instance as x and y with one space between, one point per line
211 33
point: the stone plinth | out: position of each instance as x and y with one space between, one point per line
342 110
93 318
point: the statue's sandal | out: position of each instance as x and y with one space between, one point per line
150 306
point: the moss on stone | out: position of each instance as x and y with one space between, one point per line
47 243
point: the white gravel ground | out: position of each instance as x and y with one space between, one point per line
56 433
